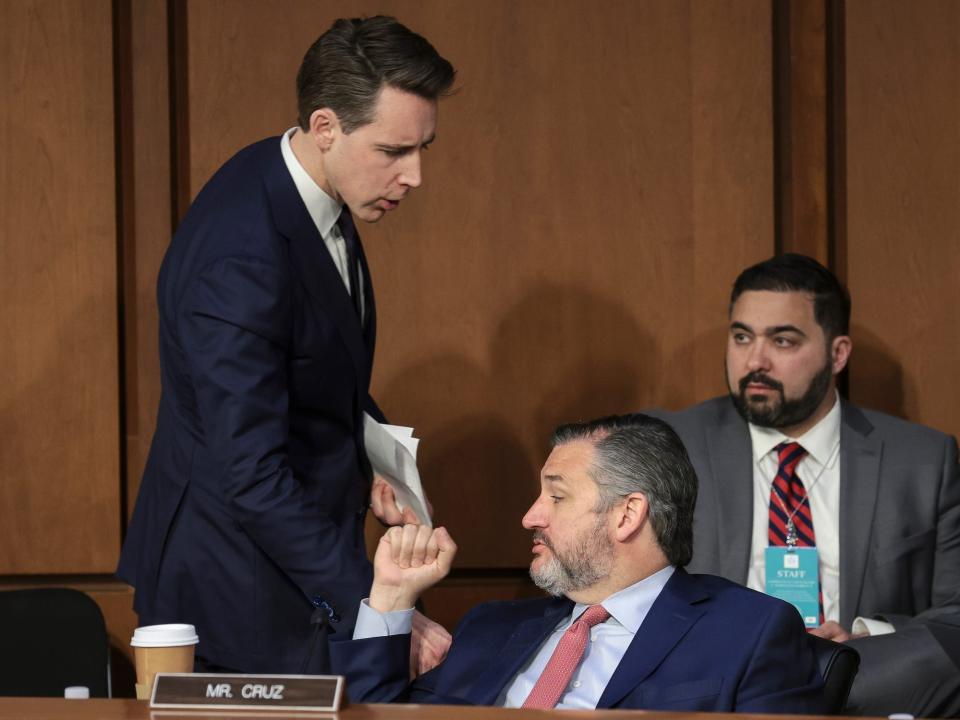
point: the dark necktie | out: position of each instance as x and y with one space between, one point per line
350 240
791 521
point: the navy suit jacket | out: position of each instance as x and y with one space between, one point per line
706 645
254 495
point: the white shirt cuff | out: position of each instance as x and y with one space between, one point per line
372 624
867 626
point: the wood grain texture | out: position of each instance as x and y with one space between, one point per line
148 230
598 181
802 78
903 227
59 434
97 709
732 154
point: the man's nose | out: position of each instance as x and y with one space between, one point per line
759 358
411 175
534 517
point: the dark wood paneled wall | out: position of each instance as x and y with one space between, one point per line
903 207
59 395
599 179
562 259
801 122
146 196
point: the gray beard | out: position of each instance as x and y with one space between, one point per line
588 563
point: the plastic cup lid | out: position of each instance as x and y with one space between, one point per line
165 635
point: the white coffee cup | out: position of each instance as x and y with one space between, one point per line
162 648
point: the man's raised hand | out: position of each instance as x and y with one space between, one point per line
409 559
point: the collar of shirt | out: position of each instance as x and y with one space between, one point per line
630 606
820 441
627 609
322 208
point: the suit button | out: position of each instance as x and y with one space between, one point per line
321 604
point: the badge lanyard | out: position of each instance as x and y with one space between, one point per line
791 528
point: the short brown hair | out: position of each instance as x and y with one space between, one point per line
348 65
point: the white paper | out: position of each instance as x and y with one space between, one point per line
392 451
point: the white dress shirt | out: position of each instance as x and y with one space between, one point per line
608 642
820 472
323 209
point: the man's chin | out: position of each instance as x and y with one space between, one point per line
758 410
367 212
762 408
371 214
547 581
537 564
764 419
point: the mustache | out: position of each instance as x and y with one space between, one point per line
538 536
758 378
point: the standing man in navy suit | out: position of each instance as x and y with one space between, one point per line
249 522
626 627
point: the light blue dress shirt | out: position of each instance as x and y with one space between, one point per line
608 642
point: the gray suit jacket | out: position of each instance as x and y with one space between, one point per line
899 507
899 522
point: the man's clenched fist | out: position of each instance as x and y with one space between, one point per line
409 559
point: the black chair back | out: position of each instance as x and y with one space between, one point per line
838 667
50 639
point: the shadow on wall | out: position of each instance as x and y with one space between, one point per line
695 371
875 377
560 354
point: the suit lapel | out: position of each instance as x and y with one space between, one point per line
672 615
860 453
524 641
314 265
731 464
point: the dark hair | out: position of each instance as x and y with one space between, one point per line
798 273
347 66
639 453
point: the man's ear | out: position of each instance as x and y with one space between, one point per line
840 350
324 126
631 516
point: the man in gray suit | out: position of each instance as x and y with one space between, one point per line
783 461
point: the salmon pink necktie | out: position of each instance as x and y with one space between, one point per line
555 677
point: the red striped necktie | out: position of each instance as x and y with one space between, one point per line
791 521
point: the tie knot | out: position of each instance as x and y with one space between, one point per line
789 454
345 223
594 615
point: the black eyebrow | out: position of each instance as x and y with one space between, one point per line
770 332
777 329
553 478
